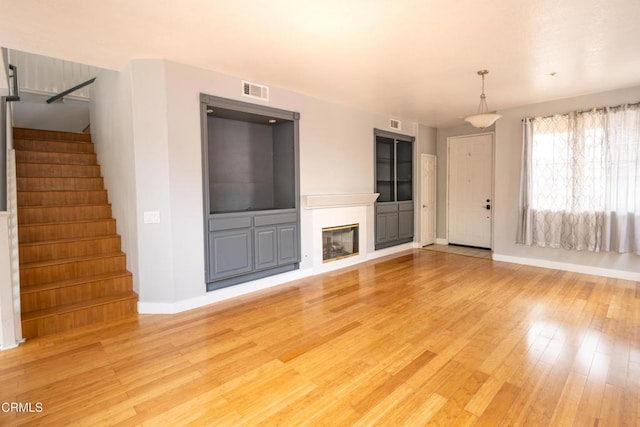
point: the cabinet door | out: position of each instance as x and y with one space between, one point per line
385 169
287 244
230 253
405 224
386 227
265 251
404 161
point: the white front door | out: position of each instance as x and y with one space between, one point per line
470 162
428 199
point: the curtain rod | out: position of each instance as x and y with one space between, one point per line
634 104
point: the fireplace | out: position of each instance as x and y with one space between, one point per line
339 242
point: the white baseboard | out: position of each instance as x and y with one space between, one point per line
442 242
222 294
577 268
9 346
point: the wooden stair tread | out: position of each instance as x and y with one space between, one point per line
69 260
44 134
54 164
52 145
74 221
57 177
45 198
50 140
38 314
75 205
73 282
53 152
59 191
69 240
56 170
44 141
64 183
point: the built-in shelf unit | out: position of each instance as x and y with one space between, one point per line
394 182
251 191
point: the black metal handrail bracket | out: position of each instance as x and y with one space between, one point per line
61 95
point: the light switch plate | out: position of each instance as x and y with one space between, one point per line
152 217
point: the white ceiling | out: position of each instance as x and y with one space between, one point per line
412 59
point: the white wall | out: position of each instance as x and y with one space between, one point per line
33 112
50 76
112 134
336 156
10 329
508 151
7 338
427 140
4 78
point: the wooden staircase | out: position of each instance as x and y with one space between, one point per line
72 269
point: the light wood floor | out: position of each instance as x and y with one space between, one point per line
423 338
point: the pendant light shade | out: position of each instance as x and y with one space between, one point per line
484 118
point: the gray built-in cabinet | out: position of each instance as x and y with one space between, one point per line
251 191
394 182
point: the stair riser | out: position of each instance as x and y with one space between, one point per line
38 233
59 184
53 146
56 171
82 292
53 135
90 315
58 158
38 215
71 270
44 198
51 251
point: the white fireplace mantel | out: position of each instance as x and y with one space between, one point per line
321 201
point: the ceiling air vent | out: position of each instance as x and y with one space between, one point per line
395 124
253 90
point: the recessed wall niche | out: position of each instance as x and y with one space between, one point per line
251 161
251 190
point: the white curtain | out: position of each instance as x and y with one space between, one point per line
581 181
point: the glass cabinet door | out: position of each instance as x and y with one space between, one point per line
385 169
404 153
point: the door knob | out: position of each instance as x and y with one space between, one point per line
488 207
425 206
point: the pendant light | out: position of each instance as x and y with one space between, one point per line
484 118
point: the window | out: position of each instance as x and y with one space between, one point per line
567 166
580 182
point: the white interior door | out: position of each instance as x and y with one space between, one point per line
470 162
428 199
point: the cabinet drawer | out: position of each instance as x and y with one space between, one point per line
406 206
229 223
390 208
273 219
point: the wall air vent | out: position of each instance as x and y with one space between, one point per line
395 124
256 91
